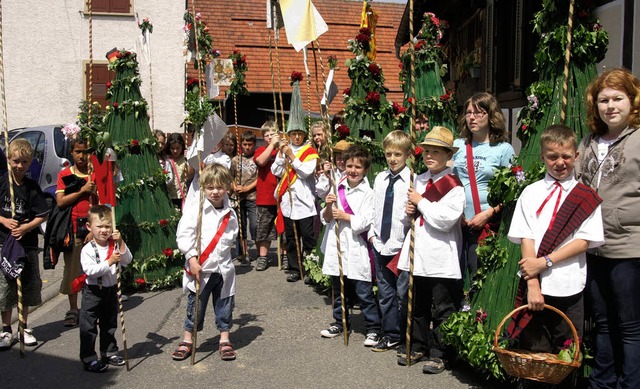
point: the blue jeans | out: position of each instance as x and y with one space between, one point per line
613 287
392 306
364 294
222 307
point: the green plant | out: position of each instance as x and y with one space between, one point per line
313 268
509 181
491 255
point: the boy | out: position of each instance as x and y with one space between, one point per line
295 164
244 173
390 226
556 219
439 199
214 269
100 258
77 190
30 211
323 184
353 213
266 184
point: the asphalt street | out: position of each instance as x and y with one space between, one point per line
276 333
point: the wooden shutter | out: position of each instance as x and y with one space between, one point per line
111 6
101 76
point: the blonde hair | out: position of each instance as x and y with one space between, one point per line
269 125
20 148
217 175
621 80
99 212
559 134
397 139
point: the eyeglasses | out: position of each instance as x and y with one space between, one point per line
475 114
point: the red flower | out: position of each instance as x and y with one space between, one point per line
516 169
524 128
481 315
365 31
363 39
135 143
343 131
411 100
167 252
191 81
236 51
108 84
165 171
398 109
420 44
418 151
243 59
163 222
296 76
400 65
141 282
446 96
373 98
347 91
115 105
374 69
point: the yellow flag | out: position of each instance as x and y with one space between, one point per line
302 21
369 19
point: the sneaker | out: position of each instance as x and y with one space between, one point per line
293 277
95 366
331 332
285 262
7 340
114 360
29 339
385 344
434 366
416 356
371 340
262 264
307 280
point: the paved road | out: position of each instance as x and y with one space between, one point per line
276 333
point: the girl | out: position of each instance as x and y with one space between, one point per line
178 168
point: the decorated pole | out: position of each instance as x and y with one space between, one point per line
119 292
243 240
276 38
567 61
147 29
413 219
21 321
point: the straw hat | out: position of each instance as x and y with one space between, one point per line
439 136
341 146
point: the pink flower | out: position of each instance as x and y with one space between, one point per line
374 69
481 315
198 16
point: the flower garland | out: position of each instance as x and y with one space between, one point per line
196 110
124 59
157 179
145 26
205 40
164 224
332 61
239 84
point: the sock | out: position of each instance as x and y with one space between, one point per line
6 329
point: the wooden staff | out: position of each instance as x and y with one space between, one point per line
276 38
119 291
21 321
413 219
567 61
243 239
288 167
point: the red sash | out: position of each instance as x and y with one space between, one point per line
78 283
492 226
214 242
433 193
576 208
290 175
178 183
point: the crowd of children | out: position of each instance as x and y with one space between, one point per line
366 241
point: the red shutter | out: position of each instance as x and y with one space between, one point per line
120 6
99 6
101 76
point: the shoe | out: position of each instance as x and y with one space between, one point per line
285 262
29 339
114 360
331 332
293 277
96 366
434 366
416 356
385 344
262 264
307 280
371 340
7 340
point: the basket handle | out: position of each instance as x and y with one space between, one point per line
576 339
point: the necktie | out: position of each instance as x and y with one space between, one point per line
387 210
556 186
429 185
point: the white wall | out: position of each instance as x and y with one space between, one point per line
46 42
611 17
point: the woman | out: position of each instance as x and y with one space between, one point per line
482 145
609 162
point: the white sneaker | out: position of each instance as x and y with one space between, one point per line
6 340
371 340
29 339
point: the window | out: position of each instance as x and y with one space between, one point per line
110 6
101 76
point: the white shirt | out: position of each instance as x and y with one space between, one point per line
323 184
355 254
219 261
400 222
96 268
438 241
568 277
299 202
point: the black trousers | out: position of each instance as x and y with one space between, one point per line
99 309
306 240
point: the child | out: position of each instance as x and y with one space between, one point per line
31 210
439 199
179 170
100 259
214 269
323 184
266 184
556 219
295 164
390 226
161 139
354 215
244 173
77 190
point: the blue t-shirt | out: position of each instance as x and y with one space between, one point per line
486 159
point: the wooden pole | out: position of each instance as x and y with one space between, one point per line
282 123
243 239
120 306
567 61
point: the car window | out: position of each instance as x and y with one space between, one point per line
60 143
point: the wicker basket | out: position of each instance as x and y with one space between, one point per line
543 367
